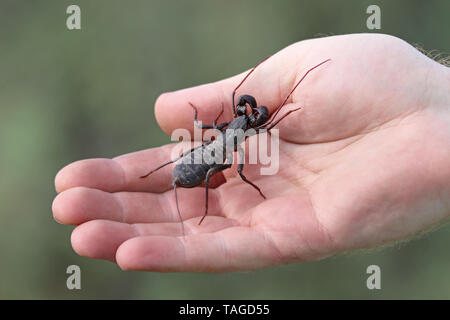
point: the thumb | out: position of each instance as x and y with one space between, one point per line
173 111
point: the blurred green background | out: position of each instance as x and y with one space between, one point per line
67 95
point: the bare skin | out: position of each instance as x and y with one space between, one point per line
365 163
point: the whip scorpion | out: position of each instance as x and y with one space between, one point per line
198 164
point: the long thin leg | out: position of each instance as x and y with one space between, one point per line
222 125
171 161
240 84
284 116
272 117
207 126
261 130
241 167
217 118
174 184
208 175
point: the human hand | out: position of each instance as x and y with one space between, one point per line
365 163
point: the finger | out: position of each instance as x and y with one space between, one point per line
78 205
120 174
137 164
100 239
265 84
104 174
123 173
230 249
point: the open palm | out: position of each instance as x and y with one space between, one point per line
364 163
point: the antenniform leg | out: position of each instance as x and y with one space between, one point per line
284 116
272 117
240 84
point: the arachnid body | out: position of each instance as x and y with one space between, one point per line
199 164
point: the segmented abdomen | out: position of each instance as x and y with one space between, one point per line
192 169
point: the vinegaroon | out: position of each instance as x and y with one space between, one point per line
200 163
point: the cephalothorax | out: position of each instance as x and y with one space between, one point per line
198 165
